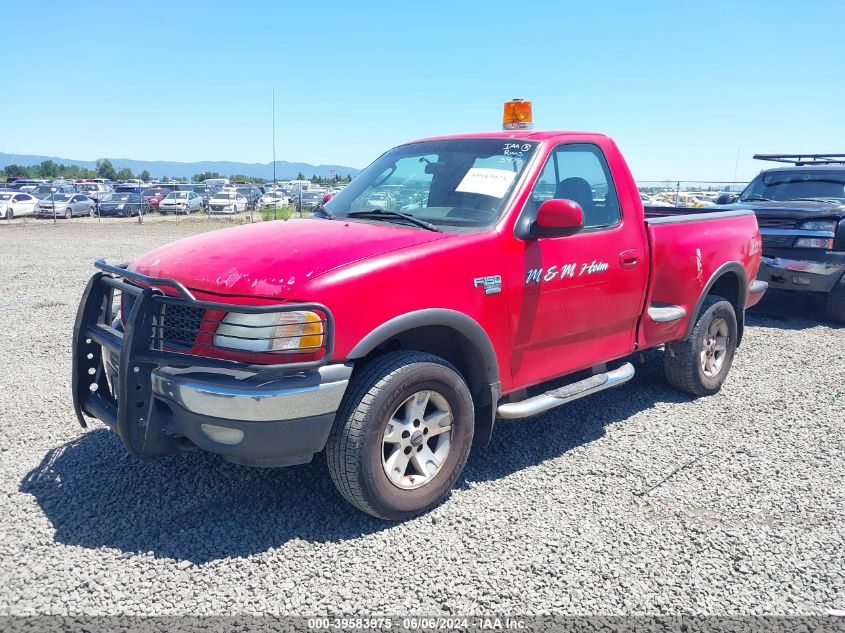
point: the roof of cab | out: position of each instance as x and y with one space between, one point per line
522 135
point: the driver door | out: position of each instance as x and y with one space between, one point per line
580 295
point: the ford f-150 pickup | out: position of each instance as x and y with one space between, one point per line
455 281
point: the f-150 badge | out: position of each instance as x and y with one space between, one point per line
492 284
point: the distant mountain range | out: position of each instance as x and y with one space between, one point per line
158 168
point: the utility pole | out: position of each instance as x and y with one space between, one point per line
274 136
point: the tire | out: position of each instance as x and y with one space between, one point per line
359 454
686 362
10 214
68 214
92 212
836 302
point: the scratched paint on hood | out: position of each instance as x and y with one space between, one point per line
270 259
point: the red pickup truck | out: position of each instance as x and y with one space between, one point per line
455 280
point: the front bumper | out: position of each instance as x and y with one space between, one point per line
161 402
798 274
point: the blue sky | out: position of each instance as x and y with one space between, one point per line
681 86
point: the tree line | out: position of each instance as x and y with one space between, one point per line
50 170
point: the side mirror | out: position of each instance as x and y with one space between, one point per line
327 197
726 198
557 218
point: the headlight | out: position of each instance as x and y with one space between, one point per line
819 225
299 331
814 242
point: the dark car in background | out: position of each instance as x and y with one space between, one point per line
251 193
800 210
124 204
203 191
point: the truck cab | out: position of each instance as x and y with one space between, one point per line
391 331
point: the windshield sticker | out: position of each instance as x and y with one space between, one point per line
487 181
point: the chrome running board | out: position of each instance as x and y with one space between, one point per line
552 399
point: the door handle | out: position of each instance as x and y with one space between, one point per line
629 258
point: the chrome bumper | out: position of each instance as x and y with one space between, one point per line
236 395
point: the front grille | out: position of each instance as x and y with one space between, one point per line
777 240
776 223
181 324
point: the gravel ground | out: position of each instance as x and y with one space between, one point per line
564 513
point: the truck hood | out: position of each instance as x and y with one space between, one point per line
794 209
270 259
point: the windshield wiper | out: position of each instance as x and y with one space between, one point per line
760 198
377 214
324 213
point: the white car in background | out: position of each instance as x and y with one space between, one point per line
227 202
273 199
16 203
180 202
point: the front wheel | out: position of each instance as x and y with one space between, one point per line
92 212
68 214
402 435
836 302
9 213
700 363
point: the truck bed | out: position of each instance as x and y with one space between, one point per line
690 247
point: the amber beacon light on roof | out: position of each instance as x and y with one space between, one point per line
517 115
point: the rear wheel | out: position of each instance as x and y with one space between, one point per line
836 302
402 435
700 363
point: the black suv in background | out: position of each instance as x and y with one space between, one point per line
801 214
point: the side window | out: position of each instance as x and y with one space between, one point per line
21 198
579 172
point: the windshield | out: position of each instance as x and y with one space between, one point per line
455 182
152 192
120 197
226 195
798 185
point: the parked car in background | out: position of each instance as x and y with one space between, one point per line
800 208
16 203
125 204
27 184
227 202
311 200
180 202
204 192
129 189
154 196
94 190
273 199
251 193
65 205
43 191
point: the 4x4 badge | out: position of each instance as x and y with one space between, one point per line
492 284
